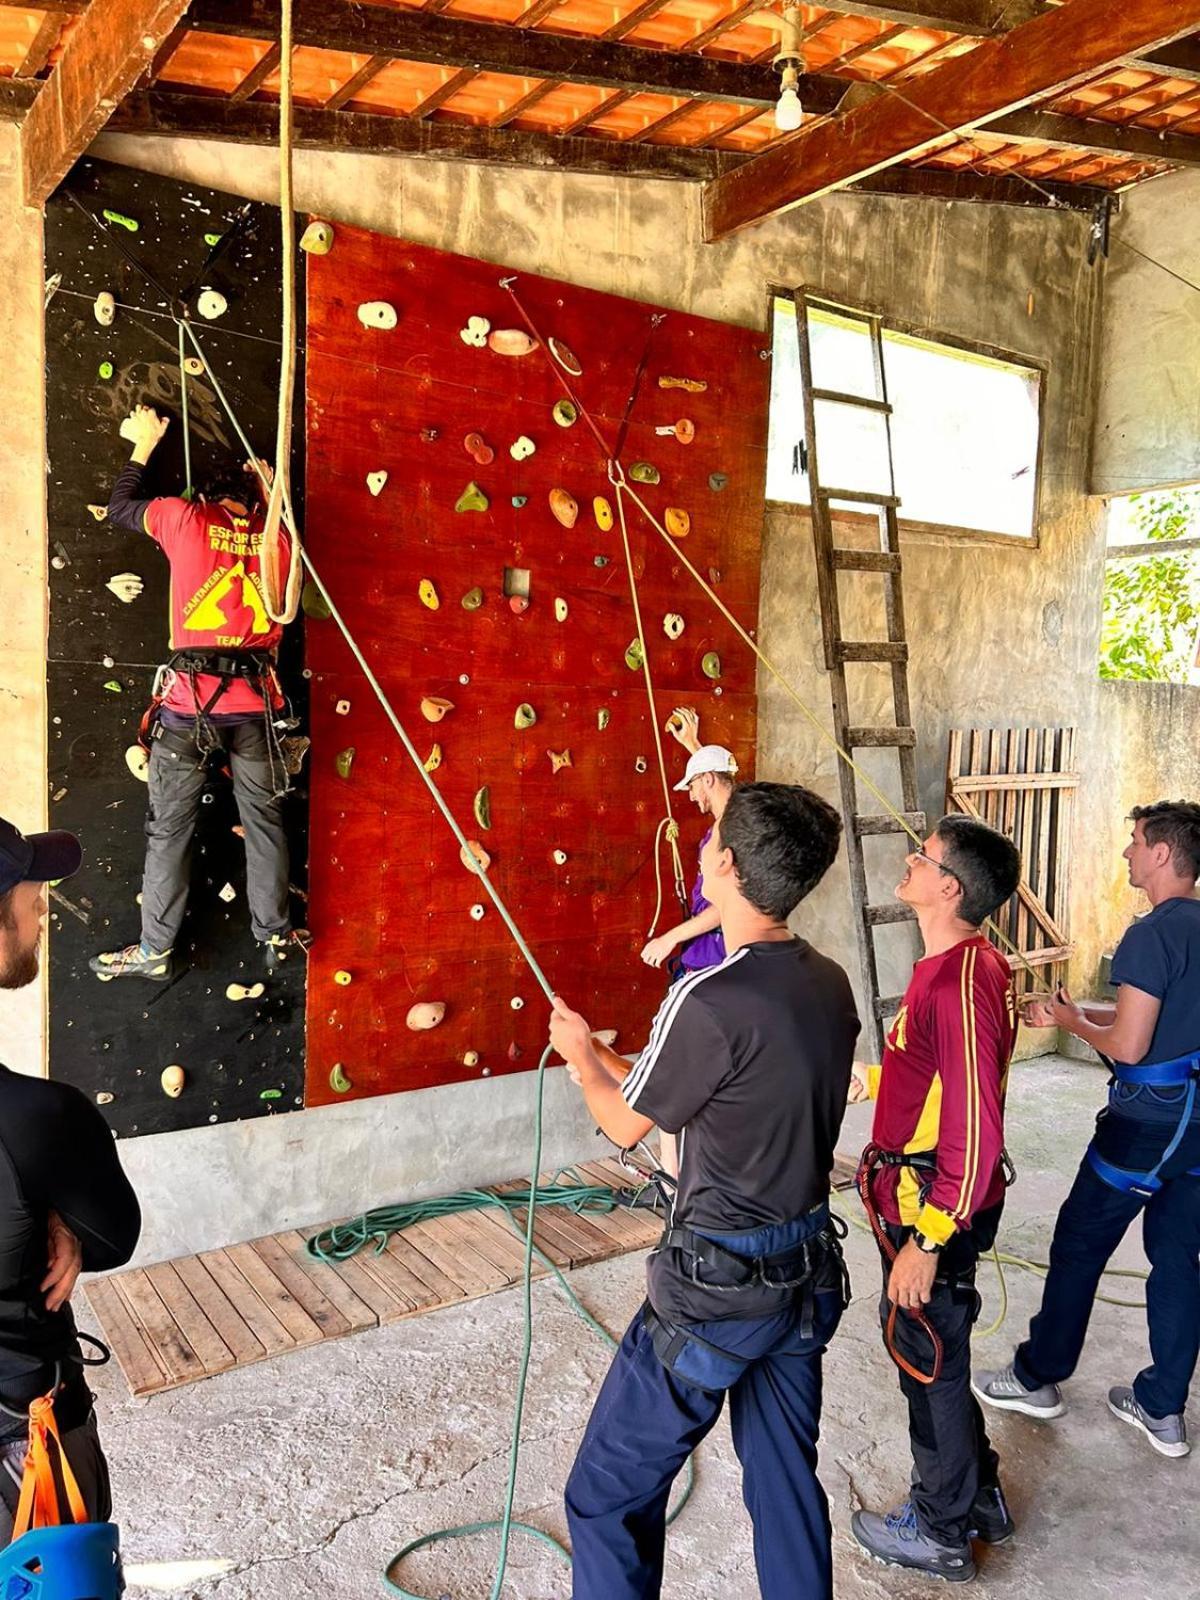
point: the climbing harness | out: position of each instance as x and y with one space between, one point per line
1182 1073
874 1157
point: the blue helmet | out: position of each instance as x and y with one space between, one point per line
77 1561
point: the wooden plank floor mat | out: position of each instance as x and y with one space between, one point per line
179 1321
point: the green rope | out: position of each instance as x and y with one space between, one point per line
183 407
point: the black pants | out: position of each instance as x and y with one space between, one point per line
177 777
950 1447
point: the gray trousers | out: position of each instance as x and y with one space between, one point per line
177 776
82 1449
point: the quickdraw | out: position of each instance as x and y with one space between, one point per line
874 1157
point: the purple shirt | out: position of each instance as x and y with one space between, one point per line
706 949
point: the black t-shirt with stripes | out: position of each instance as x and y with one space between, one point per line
749 1063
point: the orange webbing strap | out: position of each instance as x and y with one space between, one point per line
862 1183
39 1505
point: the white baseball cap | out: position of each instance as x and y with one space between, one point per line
709 758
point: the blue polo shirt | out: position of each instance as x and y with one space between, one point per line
1160 954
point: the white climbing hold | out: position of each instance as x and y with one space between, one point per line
138 763
342 708
212 304
521 449
193 366
98 512
475 333
228 894
103 1098
173 1080
126 586
239 991
560 610
471 1059
378 314
560 858
104 308
477 912
517 1003
317 238
376 481
673 624
426 1014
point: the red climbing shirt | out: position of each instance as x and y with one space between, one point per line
941 1088
216 594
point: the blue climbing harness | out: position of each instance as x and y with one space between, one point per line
1182 1073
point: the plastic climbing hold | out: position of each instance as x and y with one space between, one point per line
270 1094
479 449
476 332
193 366
599 561
211 304
317 238
478 911
313 603
472 499
565 507
343 978
98 512
343 761
471 1058
514 1051
429 435
120 220
635 656
565 414
511 342
566 358
605 1036
673 624
433 708
688 385
376 481
425 1014
239 991
521 449
559 759
645 472
717 481
105 369
683 431
640 764
519 500
472 600
474 857
138 763
427 594
379 314
517 1003
560 609
113 686
559 857
603 717
678 522
482 807
126 586
338 1081
525 716
710 664
212 240
173 1080
342 708
103 1098
518 604
714 575
433 760
602 512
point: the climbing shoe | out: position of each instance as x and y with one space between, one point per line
135 961
1167 1435
990 1519
1006 1392
896 1540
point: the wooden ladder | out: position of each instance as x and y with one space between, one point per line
900 735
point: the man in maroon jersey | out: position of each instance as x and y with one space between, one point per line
933 1178
219 692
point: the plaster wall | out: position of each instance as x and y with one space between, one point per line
1001 634
1148 398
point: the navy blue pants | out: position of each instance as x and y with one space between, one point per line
646 1423
1090 1226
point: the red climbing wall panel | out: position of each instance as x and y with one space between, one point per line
390 902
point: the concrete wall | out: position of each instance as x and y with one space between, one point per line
1148 404
1001 633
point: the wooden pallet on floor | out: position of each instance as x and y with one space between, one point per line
179 1321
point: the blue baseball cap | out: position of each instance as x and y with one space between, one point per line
37 857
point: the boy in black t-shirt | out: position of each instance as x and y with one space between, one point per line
749 1063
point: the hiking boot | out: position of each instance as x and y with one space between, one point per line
134 961
990 1519
1006 1392
1167 1435
897 1540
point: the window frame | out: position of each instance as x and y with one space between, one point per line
936 533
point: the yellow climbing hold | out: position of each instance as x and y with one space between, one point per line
317 238
342 978
427 594
603 513
472 499
678 522
434 759
338 1081
559 759
483 807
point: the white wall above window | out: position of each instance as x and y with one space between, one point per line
965 426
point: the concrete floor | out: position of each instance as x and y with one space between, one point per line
305 1473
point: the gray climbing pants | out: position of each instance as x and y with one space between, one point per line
82 1448
177 778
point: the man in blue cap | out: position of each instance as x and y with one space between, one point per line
65 1205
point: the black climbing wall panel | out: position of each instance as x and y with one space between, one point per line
243 1058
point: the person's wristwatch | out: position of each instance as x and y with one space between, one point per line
930 1247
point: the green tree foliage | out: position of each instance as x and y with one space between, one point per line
1152 604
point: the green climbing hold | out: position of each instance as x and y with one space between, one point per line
338 1081
519 500
212 240
602 718
120 220
525 716
710 664
599 561
565 414
113 686
472 600
644 472
314 604
472 499
106 369
344 761
483 807
270 1094
635 656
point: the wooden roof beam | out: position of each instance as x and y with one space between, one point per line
110 47
1099 137
1041 58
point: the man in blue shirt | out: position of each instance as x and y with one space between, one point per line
1145 1154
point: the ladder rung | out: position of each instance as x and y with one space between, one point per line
889 1006
875 738
860 497
885 823
865 560
877 916
839 397
874 650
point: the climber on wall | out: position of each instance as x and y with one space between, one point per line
218 691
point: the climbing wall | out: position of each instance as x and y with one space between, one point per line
151 244
439 542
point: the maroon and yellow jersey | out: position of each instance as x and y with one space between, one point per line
941 1088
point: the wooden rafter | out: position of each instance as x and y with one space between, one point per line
258 74
110 47
1098 137
1000 76
47 36
371 68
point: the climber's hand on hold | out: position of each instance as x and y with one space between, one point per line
144 428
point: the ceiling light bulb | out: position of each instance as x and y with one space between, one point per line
789 113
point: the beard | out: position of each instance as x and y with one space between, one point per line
19 968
